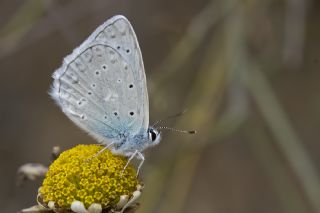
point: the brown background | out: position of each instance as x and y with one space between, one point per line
248 72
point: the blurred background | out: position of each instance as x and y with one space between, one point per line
247 71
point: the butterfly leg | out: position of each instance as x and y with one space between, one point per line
130 159
102 150
141 157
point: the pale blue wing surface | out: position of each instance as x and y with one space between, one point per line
101 85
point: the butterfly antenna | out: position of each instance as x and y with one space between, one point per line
169 117
177 130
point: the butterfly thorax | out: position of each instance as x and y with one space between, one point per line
126 145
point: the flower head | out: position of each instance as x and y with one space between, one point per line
78 175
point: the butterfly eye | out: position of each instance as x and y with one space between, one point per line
152 135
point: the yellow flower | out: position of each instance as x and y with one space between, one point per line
79 176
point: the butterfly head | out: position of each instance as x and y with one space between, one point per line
154 136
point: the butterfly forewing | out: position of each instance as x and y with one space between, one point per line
118 33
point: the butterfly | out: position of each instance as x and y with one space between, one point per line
101 86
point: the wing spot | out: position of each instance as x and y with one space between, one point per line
97 73
83 117
98 50
115 113
93 85
128 51
131 86
104 67
79 65
74 79
131 113
87 56
118 47
89 93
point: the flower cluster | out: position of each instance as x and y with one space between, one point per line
81 175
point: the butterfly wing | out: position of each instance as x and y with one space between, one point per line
101 86
119 34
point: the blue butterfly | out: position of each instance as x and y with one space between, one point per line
102 88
